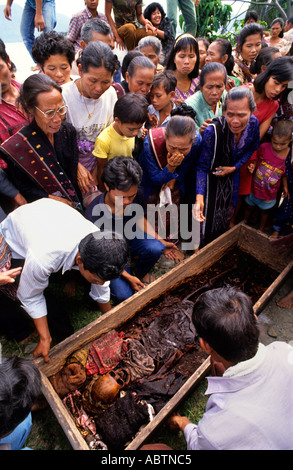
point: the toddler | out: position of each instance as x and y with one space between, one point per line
270 172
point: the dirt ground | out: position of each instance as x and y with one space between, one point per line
276 322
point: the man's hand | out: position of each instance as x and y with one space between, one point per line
39 22
7 12
43 348
8 277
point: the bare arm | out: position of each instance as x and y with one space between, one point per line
7 10
39 20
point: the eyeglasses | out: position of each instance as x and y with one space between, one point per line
51 113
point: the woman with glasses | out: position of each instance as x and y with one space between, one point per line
42 157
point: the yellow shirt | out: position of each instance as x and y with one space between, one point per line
110 144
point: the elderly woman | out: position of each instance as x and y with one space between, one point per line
207 102
184 62
168 161
161 26
54 54
228 143
151 48
42 156
220 51
248 47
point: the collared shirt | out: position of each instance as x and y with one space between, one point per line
202 108
153 110
250 407
76 23
46 233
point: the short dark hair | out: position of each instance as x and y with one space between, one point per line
225 319
212 67
225 48
149 10
127 59
280 69
248 30
51 43
94 25
104 253
282 23
131 108
290 20
99 54
167 79
139 62
239 93
121 173
20 385
251 15
3 54
32 87
283 128
182 43
264 57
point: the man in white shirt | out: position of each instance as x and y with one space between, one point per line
51 236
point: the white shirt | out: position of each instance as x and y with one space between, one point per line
46 233
79 107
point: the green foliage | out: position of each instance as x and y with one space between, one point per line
212 17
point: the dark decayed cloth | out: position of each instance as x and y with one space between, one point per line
170 331
121 421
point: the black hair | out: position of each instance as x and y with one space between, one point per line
205 41
183 109
121 173
280 69
290 20
32 86
3 54
264 58
51 43
20 385
104 253
167 79
94 25
180 126
283 128
131 108
248 30
225 319
225 48
212 67
149 10
127 59
183 42
282 23
251 15
139 62
98 54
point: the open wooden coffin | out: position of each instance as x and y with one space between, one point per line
244 238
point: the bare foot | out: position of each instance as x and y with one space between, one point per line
148 278
274 235
287 301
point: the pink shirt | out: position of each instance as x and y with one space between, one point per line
269 171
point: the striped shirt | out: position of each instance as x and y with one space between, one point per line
76 23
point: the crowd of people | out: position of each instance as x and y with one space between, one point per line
87 139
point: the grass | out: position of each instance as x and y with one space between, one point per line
46 433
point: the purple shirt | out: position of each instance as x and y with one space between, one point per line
251 408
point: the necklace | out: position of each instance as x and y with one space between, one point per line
89 114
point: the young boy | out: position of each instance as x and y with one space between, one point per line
118 139
270 172
162 94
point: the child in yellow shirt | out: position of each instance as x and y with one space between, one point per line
118 139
